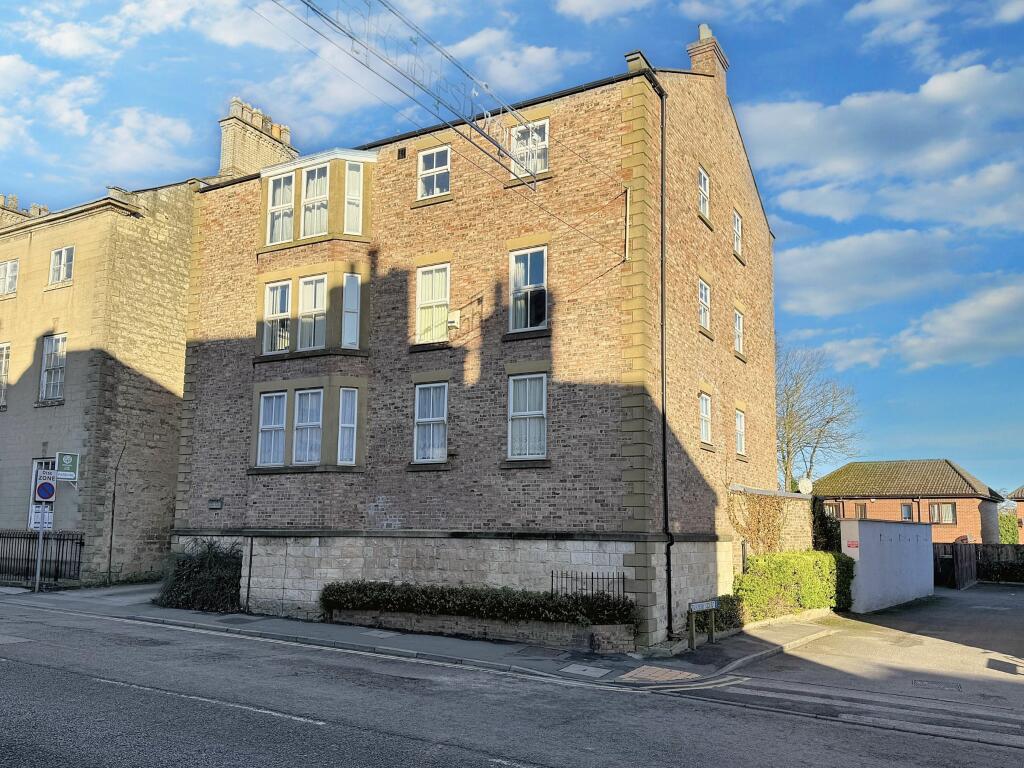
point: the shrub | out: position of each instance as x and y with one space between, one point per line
781 583
825 535
206 578
502 604
1008 528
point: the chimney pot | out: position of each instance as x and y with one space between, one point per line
704 32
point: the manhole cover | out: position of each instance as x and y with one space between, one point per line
937 685
585 671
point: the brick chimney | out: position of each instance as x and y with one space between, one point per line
250 140
707 56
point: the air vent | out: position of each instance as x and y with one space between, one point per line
401 153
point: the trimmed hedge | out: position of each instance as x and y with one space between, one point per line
1008 528
499 603
782 583
206 578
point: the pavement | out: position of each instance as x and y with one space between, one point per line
98 688
708 660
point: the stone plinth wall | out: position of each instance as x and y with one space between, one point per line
606 638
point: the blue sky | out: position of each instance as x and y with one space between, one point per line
887 137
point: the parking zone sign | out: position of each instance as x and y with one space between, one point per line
45 486
67 467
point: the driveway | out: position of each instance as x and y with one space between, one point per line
965 646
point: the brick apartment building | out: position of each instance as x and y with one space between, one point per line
935 491
405 364
92 354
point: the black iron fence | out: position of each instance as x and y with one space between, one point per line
579 583
62 555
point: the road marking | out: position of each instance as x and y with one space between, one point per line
206 700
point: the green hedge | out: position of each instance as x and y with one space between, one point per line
782 583
1008 528
502 604
206 578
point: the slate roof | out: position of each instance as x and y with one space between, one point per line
926 478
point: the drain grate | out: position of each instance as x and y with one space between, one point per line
937 685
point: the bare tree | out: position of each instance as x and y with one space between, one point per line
817 416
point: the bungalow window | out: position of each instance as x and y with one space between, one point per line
277 317
530 148
434 173
8 277
430 439
347 412
270 446
528 281
308 415
353 198
831 509
906 512
861 511
280 209
527 416
62 265
943 513
314 201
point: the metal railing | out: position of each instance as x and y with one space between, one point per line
62 555
579 583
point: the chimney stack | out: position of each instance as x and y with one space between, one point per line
707 56
250 140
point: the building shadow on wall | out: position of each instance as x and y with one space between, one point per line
124 426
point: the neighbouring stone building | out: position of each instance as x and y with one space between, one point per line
92 354
935 491
404 363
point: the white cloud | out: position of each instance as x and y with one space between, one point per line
978 330
19 77
64 106
852 273
905 23
850 352
831 200
592 10
487 39
745 10
527 68
137 141
1008 11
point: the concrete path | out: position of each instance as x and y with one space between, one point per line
101 690
729 654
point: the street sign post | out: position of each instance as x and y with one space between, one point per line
45 486
67 467
44 493
701 607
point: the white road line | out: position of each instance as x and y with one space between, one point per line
206 700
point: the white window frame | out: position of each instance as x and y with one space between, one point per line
312 315
435 171
543 413
704 413
419 421
420 304
62 265
935 510
703 192
354 197
265 429
272 209
317 425
741 432
527 289
350 309
5 369
271 319
344 425
315 200
52 377
525 154
909 517
8 277
737 233
704 300
738 330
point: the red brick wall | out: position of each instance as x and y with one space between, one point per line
968 515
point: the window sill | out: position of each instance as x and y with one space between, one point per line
428 466
302 469
708 447
742 457
706 220
739 258
58 286
536 333
8 296
705 332
520 182
273 357
310 241
739 356
48 403
430 346
525 464
447 198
